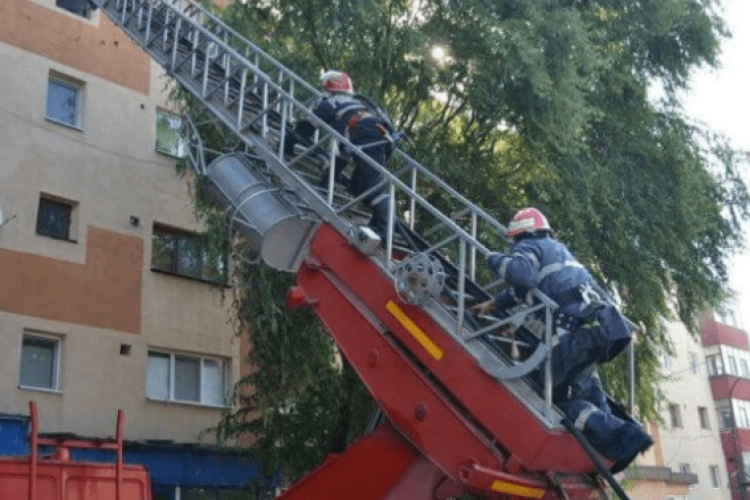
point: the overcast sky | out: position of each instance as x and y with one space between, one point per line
722 100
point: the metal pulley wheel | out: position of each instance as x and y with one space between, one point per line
419 277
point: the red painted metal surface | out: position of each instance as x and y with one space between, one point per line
726 386
55 477
715 333
63 480
374 468
469 427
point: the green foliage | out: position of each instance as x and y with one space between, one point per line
298 401
541 103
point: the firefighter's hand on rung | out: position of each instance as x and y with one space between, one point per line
484 307
508 331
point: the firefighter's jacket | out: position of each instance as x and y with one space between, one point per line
338 110
543 262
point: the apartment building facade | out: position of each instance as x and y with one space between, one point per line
727 359
687 460
107 299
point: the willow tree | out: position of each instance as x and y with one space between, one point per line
545 102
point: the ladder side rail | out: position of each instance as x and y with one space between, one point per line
482 214
269 84
259 53
197 14
293 78
311 196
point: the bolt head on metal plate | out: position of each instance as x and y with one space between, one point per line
364 239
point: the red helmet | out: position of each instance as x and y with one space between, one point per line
337 81
528 220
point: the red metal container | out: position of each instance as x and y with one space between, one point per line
56 477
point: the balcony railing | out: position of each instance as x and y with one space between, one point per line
653 473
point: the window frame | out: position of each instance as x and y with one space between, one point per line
73 84
181 143
724 415
715 473
675 417
715 365
704 418
71 223
732 362
728 317
695 366
667 360
86 12
743 420
224 364
174 267
56 361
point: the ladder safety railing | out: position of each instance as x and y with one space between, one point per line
259 100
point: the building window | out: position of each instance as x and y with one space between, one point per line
666 360
724 414
184 378
732 365
715 481
743 368
64 100
187 254
40 361
55 218
715 366
728 317
685 468
703 416
168 138
79 7
694 363
742 420
674 416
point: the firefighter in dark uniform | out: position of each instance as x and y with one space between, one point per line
594 331
365 125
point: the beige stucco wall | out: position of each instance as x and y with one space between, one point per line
111 170
656 490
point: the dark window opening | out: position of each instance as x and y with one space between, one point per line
79 7
53 219
187 254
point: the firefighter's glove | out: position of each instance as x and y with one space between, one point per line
398 137
495 261
484 307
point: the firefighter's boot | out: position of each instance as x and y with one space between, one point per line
379 220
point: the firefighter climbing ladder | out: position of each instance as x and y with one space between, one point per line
430 257
256 96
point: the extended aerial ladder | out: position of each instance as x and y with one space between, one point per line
462 414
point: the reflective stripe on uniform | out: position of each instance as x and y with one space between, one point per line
584 416
557 266
378 199
503 265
